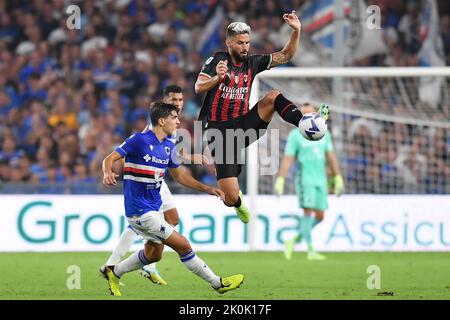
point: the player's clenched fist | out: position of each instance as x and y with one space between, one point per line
222 69
109 179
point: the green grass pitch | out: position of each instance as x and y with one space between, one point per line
267 276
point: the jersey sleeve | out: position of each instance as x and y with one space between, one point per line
174 161
209 67
291 149
128 146
261 62
328 142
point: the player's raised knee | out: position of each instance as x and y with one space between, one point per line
231 198
157 257
153 256
173 220
271 96
319 217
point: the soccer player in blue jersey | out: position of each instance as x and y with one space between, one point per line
147 156
172 94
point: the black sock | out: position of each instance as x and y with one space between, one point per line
236 205
287 110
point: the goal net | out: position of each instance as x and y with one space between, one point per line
390 127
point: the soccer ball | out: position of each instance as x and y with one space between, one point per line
312 126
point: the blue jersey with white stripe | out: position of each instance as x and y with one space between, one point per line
146 160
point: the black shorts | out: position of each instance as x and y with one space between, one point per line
227 141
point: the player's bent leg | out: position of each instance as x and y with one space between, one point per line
171 216
234 198
179 243
312 254
153 228
289 244
306 223
126 240
289 248
319 217
150 253
229 186
196 265
319 196
287 110
153 251
266 105
149 271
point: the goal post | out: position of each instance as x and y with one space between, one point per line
393 121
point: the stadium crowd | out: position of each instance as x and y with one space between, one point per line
68 96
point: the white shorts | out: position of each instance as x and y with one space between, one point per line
151 226
166 197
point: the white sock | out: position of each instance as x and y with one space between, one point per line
136 261
126 240
198 267
150 267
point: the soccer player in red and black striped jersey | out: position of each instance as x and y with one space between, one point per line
226 78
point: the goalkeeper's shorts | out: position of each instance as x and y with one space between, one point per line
312 197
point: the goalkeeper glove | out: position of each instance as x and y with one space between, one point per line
338 182
279 186
324 111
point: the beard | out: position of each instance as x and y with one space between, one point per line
236 55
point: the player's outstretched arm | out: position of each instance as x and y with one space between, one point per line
181 176
109 177
289 50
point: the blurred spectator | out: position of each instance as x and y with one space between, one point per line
409 27
445 32
39 168
61 115
4 170
9 149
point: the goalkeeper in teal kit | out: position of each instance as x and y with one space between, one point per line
311 182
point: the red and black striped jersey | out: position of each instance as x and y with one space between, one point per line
229 99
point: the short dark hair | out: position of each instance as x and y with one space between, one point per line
236 28
160 110
171 88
